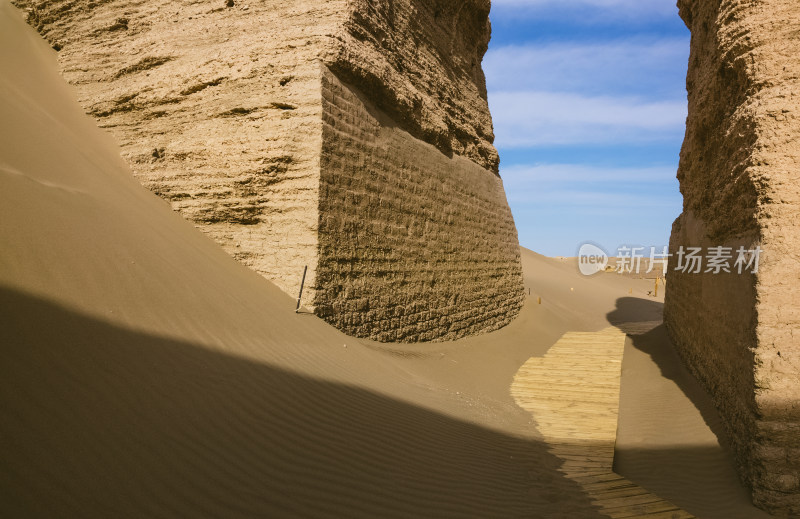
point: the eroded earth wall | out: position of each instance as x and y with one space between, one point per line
409 169
217 109
740 177
352 137
423 266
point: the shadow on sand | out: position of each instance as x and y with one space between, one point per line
656 343
100 421
699 478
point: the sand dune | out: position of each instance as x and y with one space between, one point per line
145 373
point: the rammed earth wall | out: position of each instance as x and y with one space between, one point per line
352 137
740 177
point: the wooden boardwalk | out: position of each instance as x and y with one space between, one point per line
573 394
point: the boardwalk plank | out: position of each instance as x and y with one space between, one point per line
573 394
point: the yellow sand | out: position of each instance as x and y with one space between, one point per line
145 373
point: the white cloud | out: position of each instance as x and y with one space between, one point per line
648 68
559 206
578 185
619 8
593 200
531 119
580 80
606 4
539 174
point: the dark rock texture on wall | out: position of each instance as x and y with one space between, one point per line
740 177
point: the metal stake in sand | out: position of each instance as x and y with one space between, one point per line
302 284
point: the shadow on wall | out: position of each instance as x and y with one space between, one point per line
658 346
99 421
635 310
699 478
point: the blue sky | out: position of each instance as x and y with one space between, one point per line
588 99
